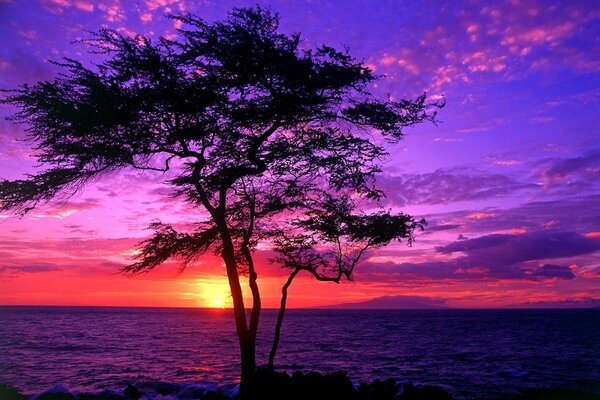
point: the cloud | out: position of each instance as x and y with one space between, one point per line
441 227
76 248
154 4
63 210
553 271
584 167
59 6
113 11
505 40
30 268
18 66
490 257
448 186
503 249
146 17
564 215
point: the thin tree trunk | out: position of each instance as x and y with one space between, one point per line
256 301
252 282
280 316
254 319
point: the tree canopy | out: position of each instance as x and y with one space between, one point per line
269 142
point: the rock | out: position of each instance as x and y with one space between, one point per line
270 384
55 396
556 394
273 385
165 388
192 393
58 392
100 396
411 392
378 390
212 395
132 393
9 393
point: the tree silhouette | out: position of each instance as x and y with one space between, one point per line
269 142
330 241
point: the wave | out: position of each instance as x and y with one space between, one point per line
142 391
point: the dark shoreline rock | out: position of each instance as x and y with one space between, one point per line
274 385
10 393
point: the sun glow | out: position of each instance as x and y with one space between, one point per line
213 292
219 303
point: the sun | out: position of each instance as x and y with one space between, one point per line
218 303
212 292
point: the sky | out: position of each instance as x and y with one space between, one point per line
508 179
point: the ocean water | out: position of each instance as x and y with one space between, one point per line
468 352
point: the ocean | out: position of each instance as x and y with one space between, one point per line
470 353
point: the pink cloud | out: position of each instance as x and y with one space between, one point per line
387 60
480 215
541 120
146 18
113 12
30 34
518 39
58 6
154 4
84 5
507 162
63 210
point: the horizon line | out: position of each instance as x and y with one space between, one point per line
316 308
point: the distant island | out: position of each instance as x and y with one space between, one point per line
393 303
428 303
583 303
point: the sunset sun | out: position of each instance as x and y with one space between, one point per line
218 303
212 292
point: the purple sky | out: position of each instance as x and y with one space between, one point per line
509 180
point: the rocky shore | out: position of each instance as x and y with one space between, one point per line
282 386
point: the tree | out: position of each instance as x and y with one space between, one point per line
260 135
331 240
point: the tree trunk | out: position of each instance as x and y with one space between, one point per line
280 316
256 302
253 325
247 340
248 359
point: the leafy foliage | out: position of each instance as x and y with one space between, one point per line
331 238
167 243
